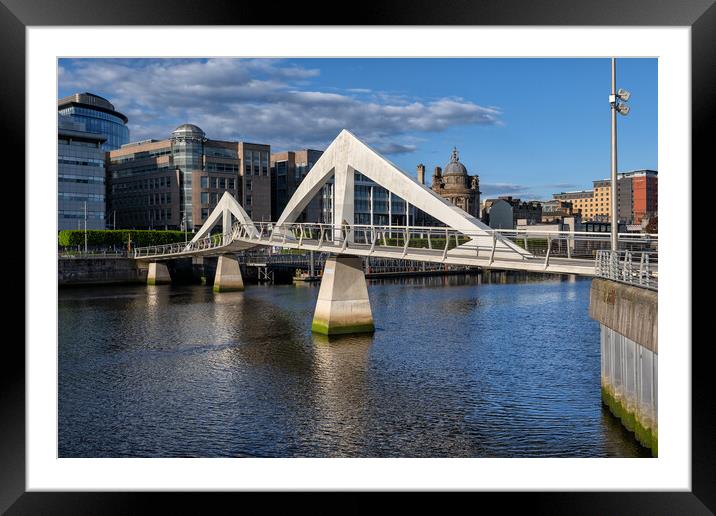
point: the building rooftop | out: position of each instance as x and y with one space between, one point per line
90 100
188 131
455 167
141 142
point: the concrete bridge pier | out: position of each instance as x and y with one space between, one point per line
158 274
343 305
228 274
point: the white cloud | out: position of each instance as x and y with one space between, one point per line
262 100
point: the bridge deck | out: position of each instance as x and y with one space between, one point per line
458 256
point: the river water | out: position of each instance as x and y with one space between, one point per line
456 368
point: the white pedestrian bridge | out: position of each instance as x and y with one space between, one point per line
557 252
463 240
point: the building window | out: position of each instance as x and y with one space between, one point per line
205 181
204 197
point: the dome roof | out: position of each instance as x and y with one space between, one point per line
188 131
455 167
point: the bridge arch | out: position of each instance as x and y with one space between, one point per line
347 154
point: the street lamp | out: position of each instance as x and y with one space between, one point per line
85 227
616 107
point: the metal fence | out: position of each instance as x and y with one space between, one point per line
640 268
93 253
419 241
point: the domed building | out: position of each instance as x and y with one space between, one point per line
457 186
188 132
175 183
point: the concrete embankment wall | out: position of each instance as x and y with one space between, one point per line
628 317
100 271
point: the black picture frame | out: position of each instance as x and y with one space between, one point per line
16 15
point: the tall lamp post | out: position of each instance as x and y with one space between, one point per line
85 227
622 109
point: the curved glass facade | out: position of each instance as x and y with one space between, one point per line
80 180
95 121
188 157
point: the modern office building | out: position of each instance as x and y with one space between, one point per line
98 116
81 176
175 183
373 204
255 180
288 169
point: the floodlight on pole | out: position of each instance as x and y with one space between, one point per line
623 109
623 94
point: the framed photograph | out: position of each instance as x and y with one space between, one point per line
291 255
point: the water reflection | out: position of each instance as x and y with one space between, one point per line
457 367
340 369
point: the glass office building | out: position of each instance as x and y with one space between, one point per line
81 176
373 204
98 116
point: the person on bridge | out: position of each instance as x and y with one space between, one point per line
346 228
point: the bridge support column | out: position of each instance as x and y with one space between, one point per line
343 305
158 274
228 274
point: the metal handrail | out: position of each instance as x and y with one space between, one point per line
529 244
638 268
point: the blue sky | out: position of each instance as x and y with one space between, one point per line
528 127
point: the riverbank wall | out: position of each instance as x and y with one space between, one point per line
100 270
113 270
628 316
117 270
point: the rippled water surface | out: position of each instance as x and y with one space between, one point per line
455 368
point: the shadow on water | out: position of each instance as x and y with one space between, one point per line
457 367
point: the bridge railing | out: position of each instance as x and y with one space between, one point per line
432 240
640 268
538 243
209 242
